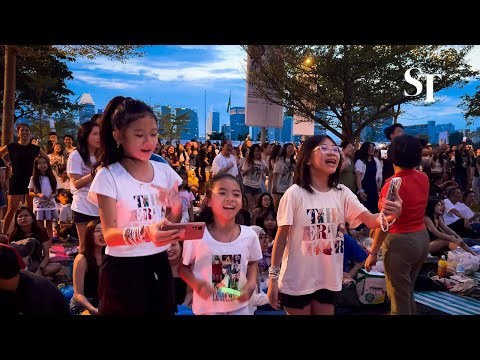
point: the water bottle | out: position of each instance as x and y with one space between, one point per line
460 270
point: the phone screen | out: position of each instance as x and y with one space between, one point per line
383 154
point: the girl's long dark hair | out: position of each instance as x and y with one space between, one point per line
303 177
283 153
89 251
119 113
17 233
206 214
82 141
432 202
49 173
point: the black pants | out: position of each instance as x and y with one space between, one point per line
137 286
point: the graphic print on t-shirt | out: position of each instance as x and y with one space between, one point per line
286 175
225 274
147 209
325 234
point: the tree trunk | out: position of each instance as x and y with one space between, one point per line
9 94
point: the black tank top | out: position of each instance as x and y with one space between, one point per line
90 284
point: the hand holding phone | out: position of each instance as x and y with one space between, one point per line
394 184
193 230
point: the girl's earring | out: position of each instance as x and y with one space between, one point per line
118 145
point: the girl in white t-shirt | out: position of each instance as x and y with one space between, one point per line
311 223
135 197
221 268
79 169
43 188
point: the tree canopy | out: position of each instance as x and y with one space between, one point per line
471 106
347 87
40 80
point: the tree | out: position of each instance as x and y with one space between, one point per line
259 136
471 106
242 137
215 135
32 54
455 138
347 87
171 125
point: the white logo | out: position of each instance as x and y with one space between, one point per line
418 84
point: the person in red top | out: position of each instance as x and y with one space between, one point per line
405 245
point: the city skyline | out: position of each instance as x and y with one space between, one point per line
181 76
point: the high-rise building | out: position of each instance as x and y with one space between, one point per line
227 131
239 130
191 132
213 122
86 108
100 111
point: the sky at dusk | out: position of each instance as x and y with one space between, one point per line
181 76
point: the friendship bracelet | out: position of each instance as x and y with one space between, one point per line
134 235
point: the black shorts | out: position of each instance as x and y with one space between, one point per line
18 186
323 296
79 218
137 286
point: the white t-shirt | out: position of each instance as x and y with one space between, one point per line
137 203
65 213
284 169
254 179
313 257
187 198
221 265
44 203
75 165
221 162
448 216
464 210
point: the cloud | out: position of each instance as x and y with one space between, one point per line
105 83
226 65
474 57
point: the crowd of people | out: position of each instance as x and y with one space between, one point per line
281 220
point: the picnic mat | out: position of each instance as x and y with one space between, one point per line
449 303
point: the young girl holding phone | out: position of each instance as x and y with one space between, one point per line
307 259
135 197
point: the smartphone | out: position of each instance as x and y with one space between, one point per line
394 183
464 139
193 230
383 154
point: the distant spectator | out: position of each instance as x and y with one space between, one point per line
52 140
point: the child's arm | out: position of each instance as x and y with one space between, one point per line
33 194
79 181
188 297
249 288
277 254
114 235
201 287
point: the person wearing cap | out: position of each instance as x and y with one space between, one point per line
25 293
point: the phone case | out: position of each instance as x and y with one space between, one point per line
193 230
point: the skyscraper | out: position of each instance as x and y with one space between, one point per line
226 130
237 122
86 108
213 122
191 131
